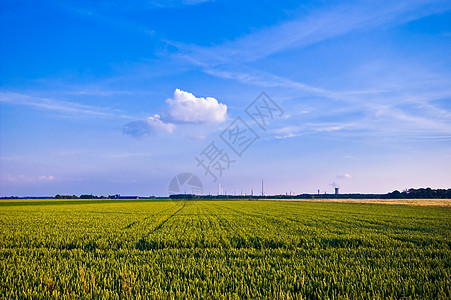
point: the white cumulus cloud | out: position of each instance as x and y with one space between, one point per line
186 107
156 124
149 126
183 107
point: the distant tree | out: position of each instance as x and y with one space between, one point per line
395 195
58 196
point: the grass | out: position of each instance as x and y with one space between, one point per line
145 249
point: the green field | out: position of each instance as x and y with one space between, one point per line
222 250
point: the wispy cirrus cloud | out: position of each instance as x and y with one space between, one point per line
309 128
312 28
394 106
400 105
21 178
229 60
256 77
60 106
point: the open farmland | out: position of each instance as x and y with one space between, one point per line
420 202
223 249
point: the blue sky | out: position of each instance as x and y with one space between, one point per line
111 97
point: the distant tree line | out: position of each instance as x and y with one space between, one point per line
91 196
86 196
421 193
187 196
58 196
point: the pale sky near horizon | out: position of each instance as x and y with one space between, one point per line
118 97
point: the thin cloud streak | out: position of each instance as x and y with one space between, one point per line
380 103
317 27
66 107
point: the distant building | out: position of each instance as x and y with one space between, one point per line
337 191
128 197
